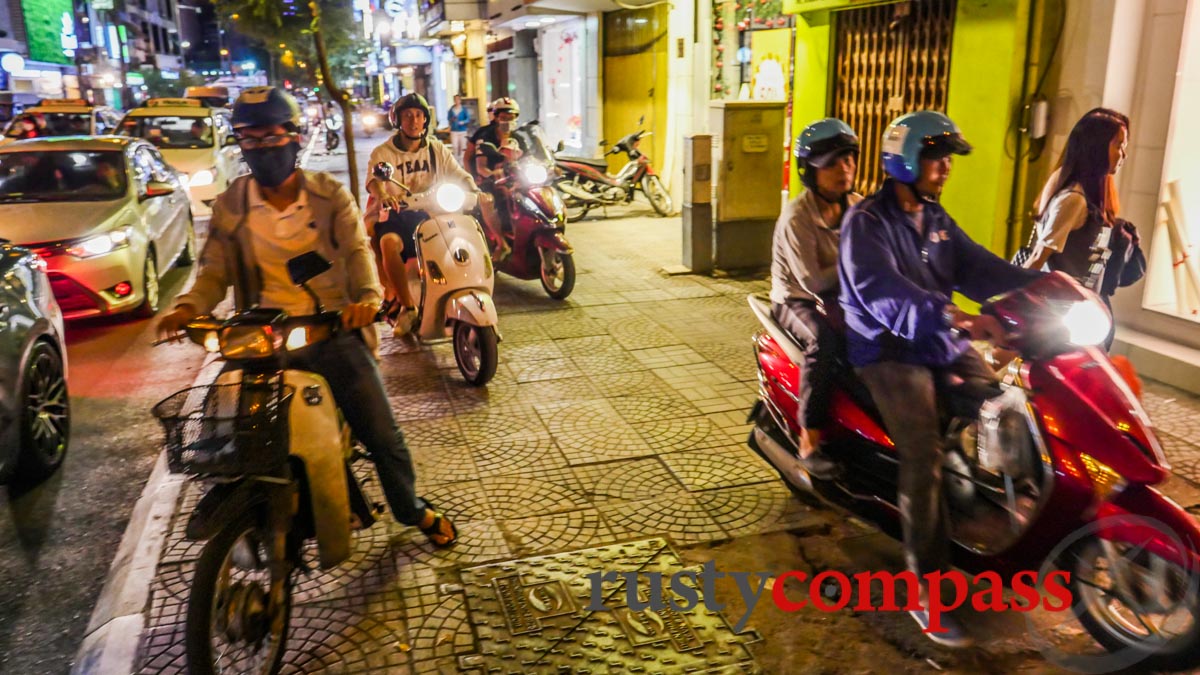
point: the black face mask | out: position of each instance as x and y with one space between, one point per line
271 166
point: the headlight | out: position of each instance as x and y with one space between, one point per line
199 179
248 342
101 243
534 173
1087 323
450 197
313 111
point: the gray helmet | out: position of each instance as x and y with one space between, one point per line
413 100
266 107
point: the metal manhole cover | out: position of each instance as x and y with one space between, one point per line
531 615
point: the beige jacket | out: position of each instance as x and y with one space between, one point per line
227 259
804 251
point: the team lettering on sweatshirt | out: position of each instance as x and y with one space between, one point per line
416 166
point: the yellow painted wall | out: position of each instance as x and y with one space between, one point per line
635 84
810 97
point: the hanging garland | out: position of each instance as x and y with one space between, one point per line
718 52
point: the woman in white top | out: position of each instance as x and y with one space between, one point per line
804 277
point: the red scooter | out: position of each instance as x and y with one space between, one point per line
537 221
586 184
1057 467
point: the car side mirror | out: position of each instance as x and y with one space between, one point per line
157 189
306 267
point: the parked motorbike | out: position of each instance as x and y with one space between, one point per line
585 183
277 457
455 279
333 127
1062 445
537 221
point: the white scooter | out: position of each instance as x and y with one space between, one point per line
455 277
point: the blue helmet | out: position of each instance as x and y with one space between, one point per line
265 107
920 135
824 141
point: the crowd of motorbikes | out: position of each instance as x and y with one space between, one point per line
1062 446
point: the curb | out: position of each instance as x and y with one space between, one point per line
114 631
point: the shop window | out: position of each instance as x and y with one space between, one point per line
1173 261
890 59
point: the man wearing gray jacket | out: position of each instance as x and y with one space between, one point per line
277 213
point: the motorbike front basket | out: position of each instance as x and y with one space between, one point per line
226 429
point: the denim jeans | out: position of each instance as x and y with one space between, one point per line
347 365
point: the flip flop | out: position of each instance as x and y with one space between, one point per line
441 532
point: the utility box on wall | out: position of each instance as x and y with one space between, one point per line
747 160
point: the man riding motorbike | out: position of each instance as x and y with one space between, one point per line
804 270
505 112
901 256
265 219
421 162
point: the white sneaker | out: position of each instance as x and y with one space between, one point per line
404 323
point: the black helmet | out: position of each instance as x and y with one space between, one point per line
266 107
413 100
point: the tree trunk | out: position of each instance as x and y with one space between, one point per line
342 98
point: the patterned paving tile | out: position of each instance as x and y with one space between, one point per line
565 531
437 623
420 406
589 345
502 421
522 453
541 350
549 369
464 501
574 328
696 374
665 357
443 464
679 517
531 495
758 508
563 417
602 443
641 409
607 362
641 333
719 467
636 383
562 389
630 480
479 541
440 431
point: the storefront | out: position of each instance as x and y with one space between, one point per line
562 52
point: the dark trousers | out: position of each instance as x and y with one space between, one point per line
346 364
906 396
820 342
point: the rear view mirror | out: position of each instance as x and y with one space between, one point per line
383 171
307 266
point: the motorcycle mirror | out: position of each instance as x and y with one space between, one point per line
307 266
560 147
490 151
383 171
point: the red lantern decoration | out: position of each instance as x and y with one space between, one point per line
720 48
719 25
718 87
720 64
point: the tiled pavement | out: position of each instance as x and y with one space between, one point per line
615 416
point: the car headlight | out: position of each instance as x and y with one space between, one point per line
101 243
199 179
534 173
1087 323
450 197
313 111
248 342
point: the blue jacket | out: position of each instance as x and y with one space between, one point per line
459 120
895 283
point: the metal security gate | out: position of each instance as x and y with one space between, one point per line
891 59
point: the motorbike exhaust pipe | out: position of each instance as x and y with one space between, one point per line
576 192
783 460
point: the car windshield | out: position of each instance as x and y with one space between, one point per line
170 131
62 175
42 124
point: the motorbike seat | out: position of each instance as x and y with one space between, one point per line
596 163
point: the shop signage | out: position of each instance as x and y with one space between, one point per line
102 4
137 79
50 30
755 143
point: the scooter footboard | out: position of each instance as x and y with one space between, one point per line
1139 502
472 306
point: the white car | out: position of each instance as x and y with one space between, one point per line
195 139
106 213
62 117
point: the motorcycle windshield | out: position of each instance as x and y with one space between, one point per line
533 143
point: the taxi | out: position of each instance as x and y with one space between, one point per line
194 138
61 117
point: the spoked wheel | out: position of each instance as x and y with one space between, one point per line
476 352
232 626
150 288
1133 601
657 193
188 256
45 418
558 273
575 209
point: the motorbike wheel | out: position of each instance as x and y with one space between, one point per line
476 352
559 281
229 629
1163 623
331 141
657 194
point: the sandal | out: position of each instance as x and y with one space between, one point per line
441 532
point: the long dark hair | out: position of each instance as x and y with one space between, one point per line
1085 159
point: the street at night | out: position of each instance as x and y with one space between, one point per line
581 336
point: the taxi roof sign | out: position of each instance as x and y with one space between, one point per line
62 101
172 102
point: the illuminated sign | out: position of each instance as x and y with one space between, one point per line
50 30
